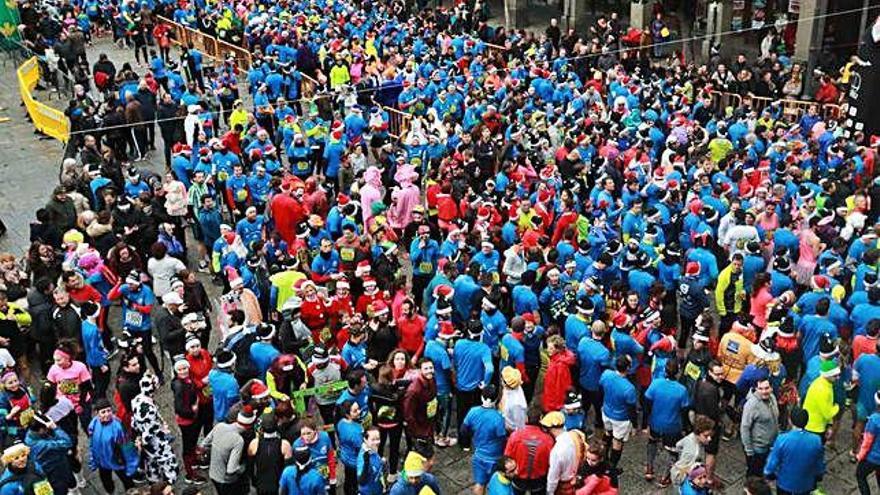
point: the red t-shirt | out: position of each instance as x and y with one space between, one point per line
412 333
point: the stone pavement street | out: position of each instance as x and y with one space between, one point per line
29 171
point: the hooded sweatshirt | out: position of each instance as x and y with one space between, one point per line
760 424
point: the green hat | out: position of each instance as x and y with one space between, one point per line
829 368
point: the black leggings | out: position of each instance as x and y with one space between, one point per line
147 344
863 470
107 479
350 484
391 437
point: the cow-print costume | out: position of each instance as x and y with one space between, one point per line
148 425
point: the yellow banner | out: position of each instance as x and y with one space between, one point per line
46 119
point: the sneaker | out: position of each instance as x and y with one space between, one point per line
80 481
203 266
451 441
441 442
194 480
649 473
665 482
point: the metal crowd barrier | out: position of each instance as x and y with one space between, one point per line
792 110
398 122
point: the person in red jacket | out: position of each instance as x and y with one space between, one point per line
557 379
420 403
314 312
827 92
530 447
287 212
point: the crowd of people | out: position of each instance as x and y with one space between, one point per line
568 245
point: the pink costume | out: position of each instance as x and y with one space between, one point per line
371 192
408 197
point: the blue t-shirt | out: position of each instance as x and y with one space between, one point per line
489 435
620 396
873 427
593 357
436 352
868 368
351 437
473 364
669 399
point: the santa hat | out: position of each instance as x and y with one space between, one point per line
342 284
446 330
246 416
259 390
378 308
620 320
363 267
443 291
820 282
369 282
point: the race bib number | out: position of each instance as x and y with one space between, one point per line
241 195
347 254
302 166
68 387
133 319
43 488
426 267
431 408
692 371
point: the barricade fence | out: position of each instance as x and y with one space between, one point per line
50 121
792 110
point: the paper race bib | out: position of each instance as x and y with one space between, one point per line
426 267
241 195
43 488
692 371
346 254
431 408
303 166
133 319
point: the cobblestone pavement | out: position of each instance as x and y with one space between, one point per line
29 171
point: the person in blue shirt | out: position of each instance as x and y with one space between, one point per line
484 428
370 465
93 346
224 387
263 352
577 325
618 407
812 326
863 313
424 253
869 451
797 458
437 350
137 305
502 478
252 227
357 391
472 362
302 476
668 401
493 321
593 359
414 479
866 377
350 438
